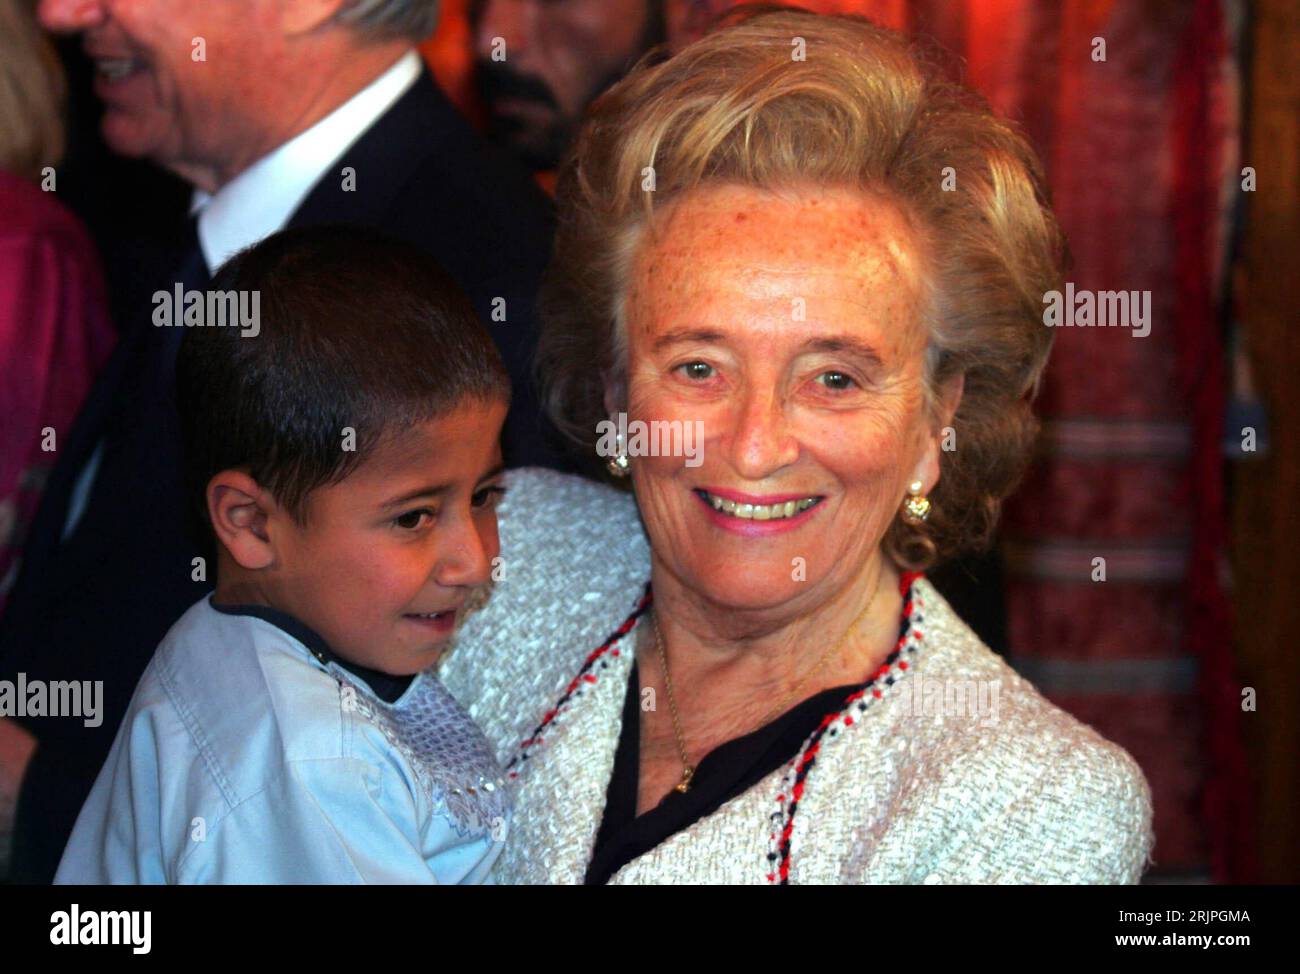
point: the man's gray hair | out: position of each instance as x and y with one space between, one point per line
412 19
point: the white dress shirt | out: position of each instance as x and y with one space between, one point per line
260 200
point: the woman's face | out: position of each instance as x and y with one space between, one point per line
786 329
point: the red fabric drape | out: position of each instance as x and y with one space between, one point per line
1198 119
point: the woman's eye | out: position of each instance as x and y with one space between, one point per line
413 520
836 381
696 370
488 497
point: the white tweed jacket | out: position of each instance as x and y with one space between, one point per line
891 790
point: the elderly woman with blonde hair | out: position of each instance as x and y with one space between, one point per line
798 283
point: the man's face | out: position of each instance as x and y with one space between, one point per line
386 557
184 82
558 55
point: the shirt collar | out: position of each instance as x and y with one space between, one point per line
385 686
260 200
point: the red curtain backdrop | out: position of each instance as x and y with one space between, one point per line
1140 149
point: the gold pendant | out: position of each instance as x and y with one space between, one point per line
685 784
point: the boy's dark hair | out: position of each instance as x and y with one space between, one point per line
356 330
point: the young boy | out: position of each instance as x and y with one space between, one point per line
344 453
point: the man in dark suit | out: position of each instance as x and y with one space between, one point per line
278 113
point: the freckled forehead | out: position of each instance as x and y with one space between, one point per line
839 242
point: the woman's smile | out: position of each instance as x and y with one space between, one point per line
757 516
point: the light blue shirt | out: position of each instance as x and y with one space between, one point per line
243 758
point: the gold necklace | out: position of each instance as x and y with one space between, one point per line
688 771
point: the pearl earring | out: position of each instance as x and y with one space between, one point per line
619 465
916 506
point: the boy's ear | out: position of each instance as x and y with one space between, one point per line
239 508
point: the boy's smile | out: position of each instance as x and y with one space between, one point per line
387 557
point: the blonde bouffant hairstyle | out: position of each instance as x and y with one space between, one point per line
864 108
31 93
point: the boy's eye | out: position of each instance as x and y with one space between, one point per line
412 520
488 496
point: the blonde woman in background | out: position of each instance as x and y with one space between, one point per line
54 326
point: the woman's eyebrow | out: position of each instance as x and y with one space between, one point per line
844 343
680 336
829 343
